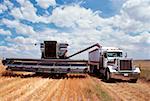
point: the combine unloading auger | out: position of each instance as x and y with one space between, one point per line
95 45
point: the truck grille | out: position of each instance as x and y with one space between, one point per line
125 64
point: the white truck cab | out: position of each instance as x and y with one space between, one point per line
117 66
110 62
111 54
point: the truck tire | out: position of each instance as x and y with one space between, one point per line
133 80
107 76
95 71
91 68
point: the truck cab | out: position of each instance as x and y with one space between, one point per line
117 66
111 54
111 63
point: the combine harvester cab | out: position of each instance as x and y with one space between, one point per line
109 61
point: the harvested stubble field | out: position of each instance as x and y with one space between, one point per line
74 87
145 68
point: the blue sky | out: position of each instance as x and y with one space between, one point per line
119 23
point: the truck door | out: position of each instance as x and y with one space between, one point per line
105 60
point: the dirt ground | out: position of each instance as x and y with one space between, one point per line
74 87
125 91
144 67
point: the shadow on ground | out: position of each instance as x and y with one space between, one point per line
61 76
110 81
43 75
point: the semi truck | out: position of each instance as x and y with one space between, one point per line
54 60
110 62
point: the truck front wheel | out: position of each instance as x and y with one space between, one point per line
107 76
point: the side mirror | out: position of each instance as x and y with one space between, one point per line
126 55
105 55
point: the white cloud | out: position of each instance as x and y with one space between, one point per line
22 41
2 8
126 30
6 51
122 30
5 32
27 11
17 51
75 16
19 27
20 47
46 3
144 37
138 9
133 17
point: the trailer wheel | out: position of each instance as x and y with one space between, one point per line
95 71
133 80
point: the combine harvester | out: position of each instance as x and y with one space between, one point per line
106 61
53 60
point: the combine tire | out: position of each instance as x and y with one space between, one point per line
39 73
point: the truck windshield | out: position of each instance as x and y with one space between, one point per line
114 54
